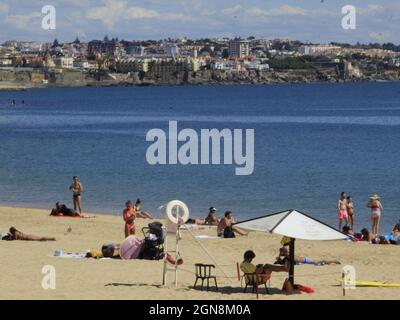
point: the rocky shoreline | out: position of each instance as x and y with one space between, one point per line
11 80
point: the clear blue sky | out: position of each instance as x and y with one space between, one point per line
306 20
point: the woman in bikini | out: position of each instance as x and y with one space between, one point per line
130 213
376 212
18 235
350 211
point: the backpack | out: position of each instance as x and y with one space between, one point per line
156 229
152 250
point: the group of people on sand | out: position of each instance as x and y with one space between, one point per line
61 209
225 228
262 272
346 211
374 238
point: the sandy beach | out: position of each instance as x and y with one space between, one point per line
22 263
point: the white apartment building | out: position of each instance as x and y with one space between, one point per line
321 49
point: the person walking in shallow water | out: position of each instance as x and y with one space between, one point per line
376 212
342 210
76 188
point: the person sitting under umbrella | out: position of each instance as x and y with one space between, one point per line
264 271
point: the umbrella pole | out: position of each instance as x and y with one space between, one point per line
292 261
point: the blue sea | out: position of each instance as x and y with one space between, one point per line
312 141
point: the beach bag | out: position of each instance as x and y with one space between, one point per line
228 233
8 237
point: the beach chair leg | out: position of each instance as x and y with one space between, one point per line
202 284
208 284
194 287
245 289
266 288
216 286
256 286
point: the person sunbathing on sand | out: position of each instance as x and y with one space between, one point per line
210 220
264 271
366 235
18 235
225 228
63 210
139 213
284 257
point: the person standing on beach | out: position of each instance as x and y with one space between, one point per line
129 214
342 210
76 188
350 211
376 212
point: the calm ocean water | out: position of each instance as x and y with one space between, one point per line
311 143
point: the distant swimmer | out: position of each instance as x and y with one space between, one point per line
13 103
23 101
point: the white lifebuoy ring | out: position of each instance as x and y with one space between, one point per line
171 216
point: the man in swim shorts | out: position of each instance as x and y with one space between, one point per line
342 210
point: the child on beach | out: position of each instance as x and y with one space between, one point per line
130 213
342 210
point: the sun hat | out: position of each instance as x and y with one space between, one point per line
375 197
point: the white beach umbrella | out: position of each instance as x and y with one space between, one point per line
295 225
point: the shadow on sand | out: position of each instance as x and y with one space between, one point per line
223 290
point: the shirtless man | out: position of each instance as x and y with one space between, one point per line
225 228
18 235
342 210
76 188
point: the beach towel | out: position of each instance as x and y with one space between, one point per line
72 217
131 248
204 236
68 255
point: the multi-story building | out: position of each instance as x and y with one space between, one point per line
172 50
137 51
239 48
321 49
64 62
105 48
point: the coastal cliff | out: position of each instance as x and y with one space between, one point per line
20 79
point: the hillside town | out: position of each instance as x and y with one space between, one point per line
110 61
